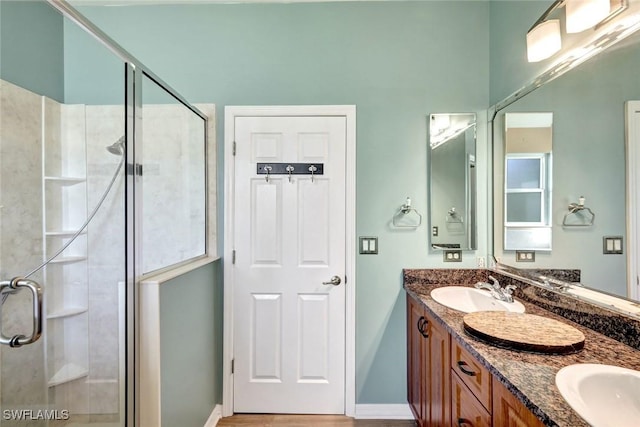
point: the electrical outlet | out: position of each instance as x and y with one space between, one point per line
452 256
525 256
480 262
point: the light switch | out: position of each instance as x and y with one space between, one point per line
368 245
612 245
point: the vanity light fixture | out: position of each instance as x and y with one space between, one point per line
543 40
584 14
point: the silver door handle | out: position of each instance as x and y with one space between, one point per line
335 281
36 292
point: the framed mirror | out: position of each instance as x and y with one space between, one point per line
452 171
591 207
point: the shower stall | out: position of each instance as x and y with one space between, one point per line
103 182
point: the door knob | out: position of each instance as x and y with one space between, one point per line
335 281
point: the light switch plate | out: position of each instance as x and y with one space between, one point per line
368 245
612 245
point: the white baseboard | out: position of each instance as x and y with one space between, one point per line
215 416
400 411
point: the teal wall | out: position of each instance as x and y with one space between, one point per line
93 74
190 330
31 47
396 61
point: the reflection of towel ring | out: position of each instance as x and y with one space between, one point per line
453 217
574 208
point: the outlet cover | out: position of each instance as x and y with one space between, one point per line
452 256
525 256
612 245
368 245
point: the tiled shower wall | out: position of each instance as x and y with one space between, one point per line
22 369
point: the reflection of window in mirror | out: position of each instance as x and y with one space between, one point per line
527 191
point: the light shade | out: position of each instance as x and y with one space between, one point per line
543 40
584 14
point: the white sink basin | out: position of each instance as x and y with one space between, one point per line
469 300
605 396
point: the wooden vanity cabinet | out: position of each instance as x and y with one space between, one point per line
416 344
428 366
466 410
474 375
509 411
448 387
471 393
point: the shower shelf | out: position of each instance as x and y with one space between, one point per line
65 194
65 180
62 233
68 259
67 312
67 373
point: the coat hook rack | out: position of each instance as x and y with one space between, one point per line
289 169
405 210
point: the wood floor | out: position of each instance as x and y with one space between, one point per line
275 420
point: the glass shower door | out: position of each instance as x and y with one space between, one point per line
62 223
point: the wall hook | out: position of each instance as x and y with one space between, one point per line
312 169
290 169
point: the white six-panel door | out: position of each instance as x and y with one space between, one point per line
289 238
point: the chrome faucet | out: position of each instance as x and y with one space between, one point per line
554 284
503 294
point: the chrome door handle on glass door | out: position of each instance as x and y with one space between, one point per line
10 287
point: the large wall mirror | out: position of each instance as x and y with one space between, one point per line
452 165
587 191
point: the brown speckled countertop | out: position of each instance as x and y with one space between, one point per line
529 376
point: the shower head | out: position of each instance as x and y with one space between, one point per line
117 147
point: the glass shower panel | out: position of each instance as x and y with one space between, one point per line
62 220
173 180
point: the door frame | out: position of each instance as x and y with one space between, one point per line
349 112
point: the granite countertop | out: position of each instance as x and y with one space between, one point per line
530 376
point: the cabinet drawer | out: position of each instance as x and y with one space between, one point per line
466 410
508 411
472 373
